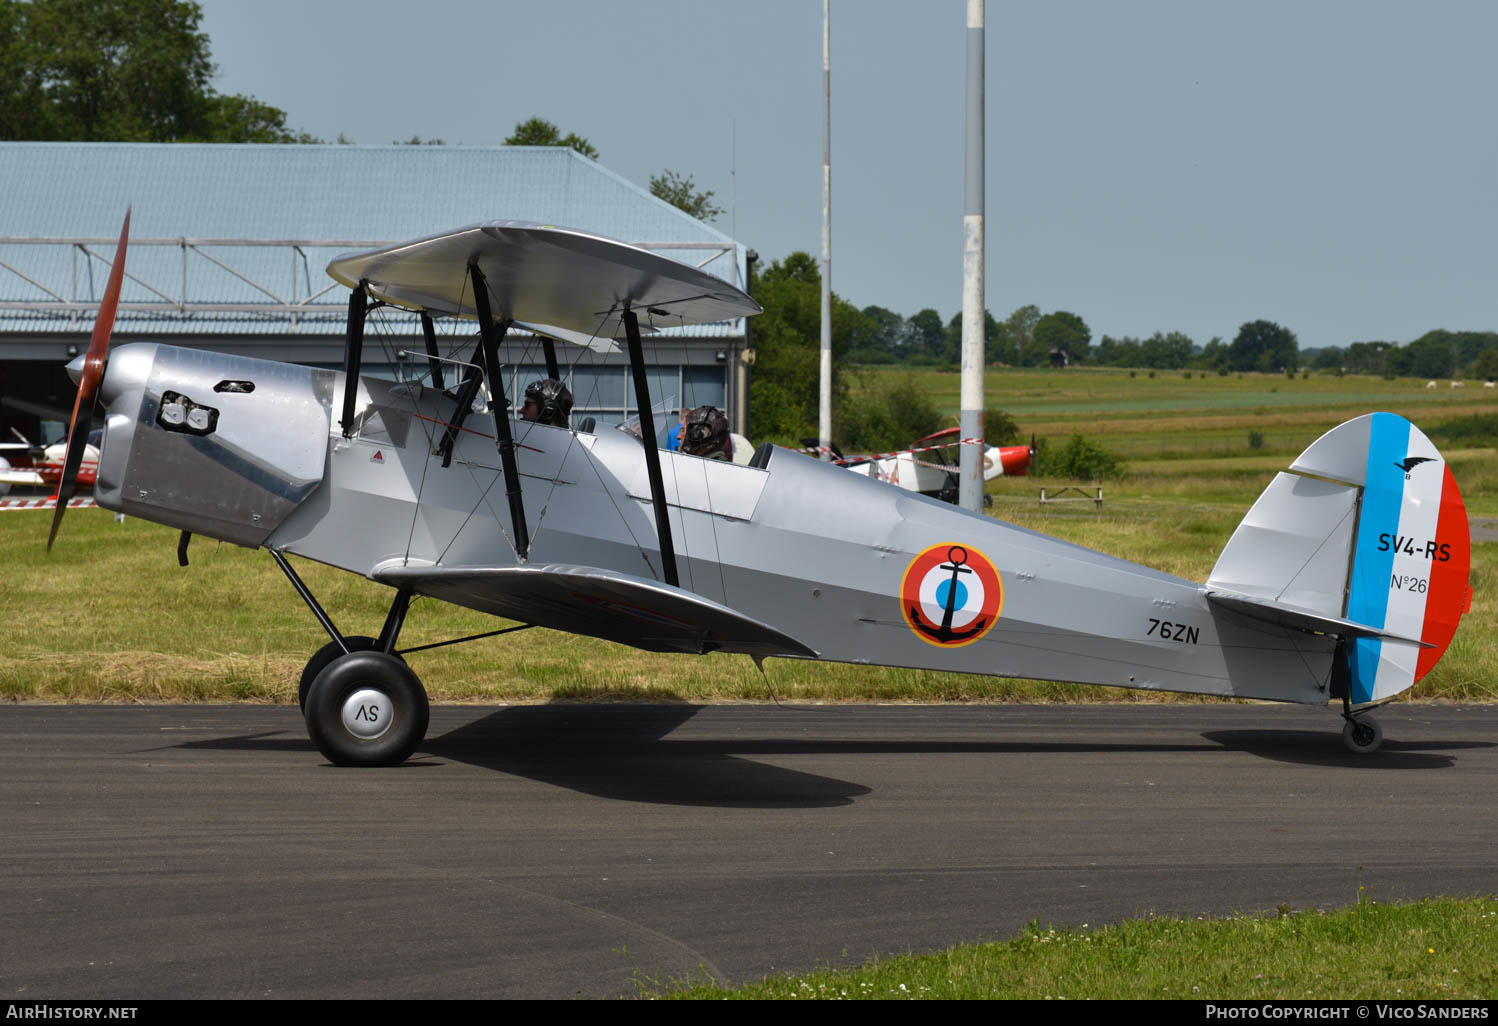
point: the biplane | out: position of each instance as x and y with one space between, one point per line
1344 583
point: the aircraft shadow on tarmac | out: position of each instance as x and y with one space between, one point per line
611 751
625 752
622 752
1321 748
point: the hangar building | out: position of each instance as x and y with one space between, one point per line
229 244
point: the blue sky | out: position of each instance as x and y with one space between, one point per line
1151 166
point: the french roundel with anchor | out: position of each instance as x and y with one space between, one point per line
951 595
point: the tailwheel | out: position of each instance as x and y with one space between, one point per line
366 709
1362 734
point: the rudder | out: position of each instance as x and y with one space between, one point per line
1368 526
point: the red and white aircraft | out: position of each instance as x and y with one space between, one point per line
929 466
33 466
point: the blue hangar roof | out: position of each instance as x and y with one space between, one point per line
191 200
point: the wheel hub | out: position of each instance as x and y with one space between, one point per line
368 713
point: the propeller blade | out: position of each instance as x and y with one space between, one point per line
88 382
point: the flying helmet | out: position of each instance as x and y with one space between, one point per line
553 401
706 431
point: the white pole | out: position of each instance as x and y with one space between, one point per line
970 417
824 420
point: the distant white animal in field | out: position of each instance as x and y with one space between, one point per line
1458 384
1488 384
1430 384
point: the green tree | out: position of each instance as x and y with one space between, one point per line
928 338
1167 352
887 416
787 345
1213 357
539 132
127 70
1486 365
1369 357
1329 358
878 337
1119 352
1467 345
681 193
1429 356
1060 332
1081 459
1020 328
1263 346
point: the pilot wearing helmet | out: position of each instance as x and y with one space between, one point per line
704 432
547 401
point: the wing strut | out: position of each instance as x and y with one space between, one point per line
433 357
553 369
652 454
491 335
358 306
466 393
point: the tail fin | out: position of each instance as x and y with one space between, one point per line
1365 537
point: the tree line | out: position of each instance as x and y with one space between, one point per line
786 340
1028 338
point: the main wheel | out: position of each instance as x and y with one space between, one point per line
366 709
1362 734
320 660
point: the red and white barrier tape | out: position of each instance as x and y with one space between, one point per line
898 452
47 503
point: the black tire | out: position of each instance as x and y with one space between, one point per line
320 660
396 699
1362 734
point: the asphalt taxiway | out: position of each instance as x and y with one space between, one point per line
556 851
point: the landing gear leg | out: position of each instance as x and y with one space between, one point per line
362 703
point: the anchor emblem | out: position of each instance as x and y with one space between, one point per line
958 558
951 595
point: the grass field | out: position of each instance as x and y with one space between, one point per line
1173 416
1443 949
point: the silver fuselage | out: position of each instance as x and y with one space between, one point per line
801 545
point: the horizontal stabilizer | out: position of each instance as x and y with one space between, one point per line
599 603
1302 619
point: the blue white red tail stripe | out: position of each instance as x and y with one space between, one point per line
1409 560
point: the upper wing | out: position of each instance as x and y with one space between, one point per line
599 603
565 282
